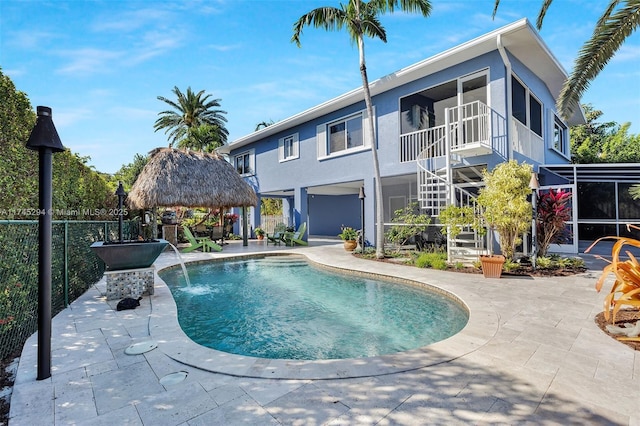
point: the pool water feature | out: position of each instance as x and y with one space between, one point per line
281 307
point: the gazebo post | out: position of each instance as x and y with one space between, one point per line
245 238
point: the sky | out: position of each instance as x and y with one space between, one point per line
101 65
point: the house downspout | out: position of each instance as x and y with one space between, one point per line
507 66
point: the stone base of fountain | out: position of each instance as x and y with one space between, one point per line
129 283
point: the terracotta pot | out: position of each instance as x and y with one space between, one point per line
350 245
261 237
492 265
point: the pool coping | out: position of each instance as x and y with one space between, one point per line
164 328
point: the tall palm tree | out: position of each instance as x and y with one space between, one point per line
190 110
361 19
619 20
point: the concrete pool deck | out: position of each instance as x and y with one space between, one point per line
530 354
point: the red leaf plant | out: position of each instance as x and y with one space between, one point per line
552 214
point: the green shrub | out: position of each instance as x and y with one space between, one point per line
577 262
432 260
510 265
440 264
544 262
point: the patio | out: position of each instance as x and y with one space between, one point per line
531 353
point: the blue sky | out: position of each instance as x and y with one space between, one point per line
100 65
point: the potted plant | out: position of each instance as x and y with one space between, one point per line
259 233
506 210
350 237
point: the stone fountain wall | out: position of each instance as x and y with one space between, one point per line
129 283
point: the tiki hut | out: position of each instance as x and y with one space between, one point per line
174 177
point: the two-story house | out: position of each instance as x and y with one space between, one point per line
438 123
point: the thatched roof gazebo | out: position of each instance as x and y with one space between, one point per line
173 177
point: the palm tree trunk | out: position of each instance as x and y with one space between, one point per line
374 154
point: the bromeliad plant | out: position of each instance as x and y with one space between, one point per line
626 288
552 214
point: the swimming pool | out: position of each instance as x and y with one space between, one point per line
281 307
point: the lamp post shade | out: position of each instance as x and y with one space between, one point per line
44 133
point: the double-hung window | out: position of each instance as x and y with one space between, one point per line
244 163
288 148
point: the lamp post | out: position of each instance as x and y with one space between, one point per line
534 185
44 139
362 196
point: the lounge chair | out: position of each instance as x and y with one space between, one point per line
203 243
278 233
293 238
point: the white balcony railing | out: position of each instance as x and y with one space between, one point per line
468 126
412 144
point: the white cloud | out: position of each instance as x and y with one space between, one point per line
225 48
129 21
88 60
627 52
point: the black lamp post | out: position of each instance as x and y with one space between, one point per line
534 185
44 139
121 194
362 196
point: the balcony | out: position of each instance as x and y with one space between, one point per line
467 132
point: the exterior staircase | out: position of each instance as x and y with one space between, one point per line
444 149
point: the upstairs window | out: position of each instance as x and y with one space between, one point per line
525 107
345 134
288 148
560 137
244 163
518 101
535 116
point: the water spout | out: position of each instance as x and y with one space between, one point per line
184 268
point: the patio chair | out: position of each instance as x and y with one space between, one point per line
203 243
278 233
217 234
293 238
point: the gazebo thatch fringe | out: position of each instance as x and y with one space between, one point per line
174 177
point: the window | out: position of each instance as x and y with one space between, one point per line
345 134
288 148
559 136
525 107
535 113
518 100
243 163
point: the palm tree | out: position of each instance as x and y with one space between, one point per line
202 138
263 125
619 20
191 110
361 19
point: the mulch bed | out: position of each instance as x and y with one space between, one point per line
622 317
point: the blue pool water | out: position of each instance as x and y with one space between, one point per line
281 307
